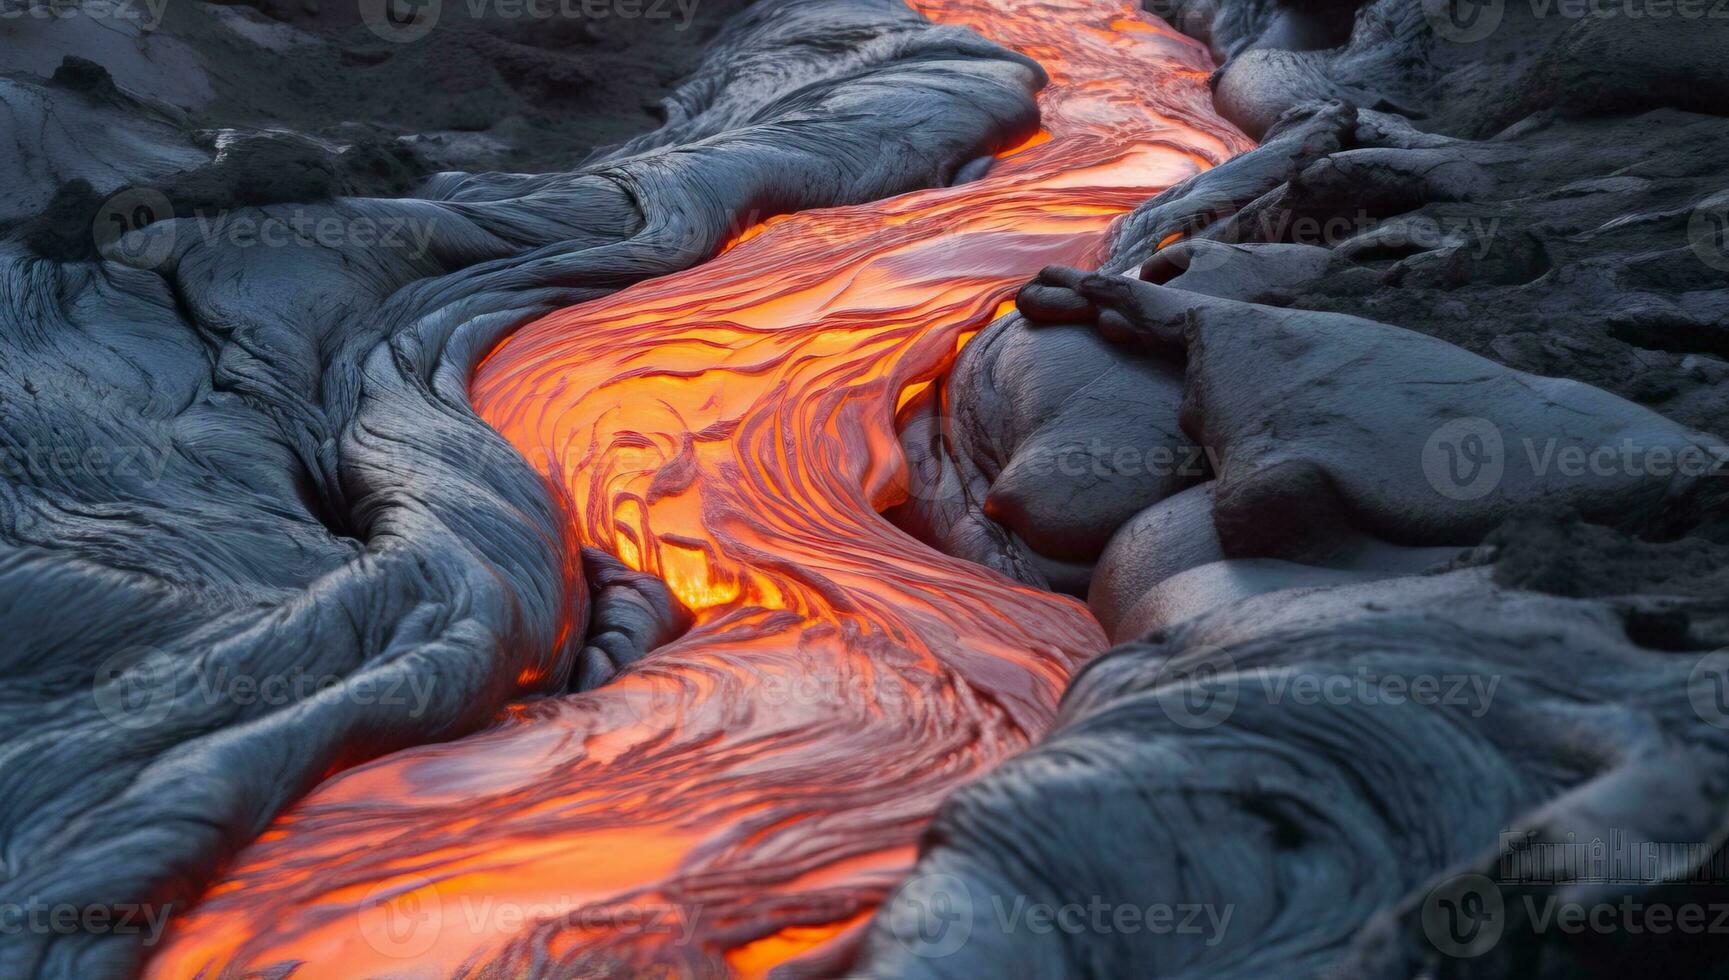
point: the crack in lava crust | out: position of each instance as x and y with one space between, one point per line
750 793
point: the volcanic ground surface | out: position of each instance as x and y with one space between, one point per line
442 539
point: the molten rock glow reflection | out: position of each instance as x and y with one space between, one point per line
754 790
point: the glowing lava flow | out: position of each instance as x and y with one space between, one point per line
751 792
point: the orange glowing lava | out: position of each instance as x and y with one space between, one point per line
751 792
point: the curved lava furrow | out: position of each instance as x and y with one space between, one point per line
752 791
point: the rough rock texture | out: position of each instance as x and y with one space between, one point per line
486 85
244 434
1276 775
1444 598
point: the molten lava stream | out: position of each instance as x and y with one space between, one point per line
752 791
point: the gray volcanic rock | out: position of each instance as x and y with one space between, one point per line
1461 68
84 130
1580 248
1262 780
1446 338
1166 563
484 86
1588 249
251 529
1065 440
1170 537
634 613
1292 403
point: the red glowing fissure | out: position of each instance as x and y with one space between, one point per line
750 793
